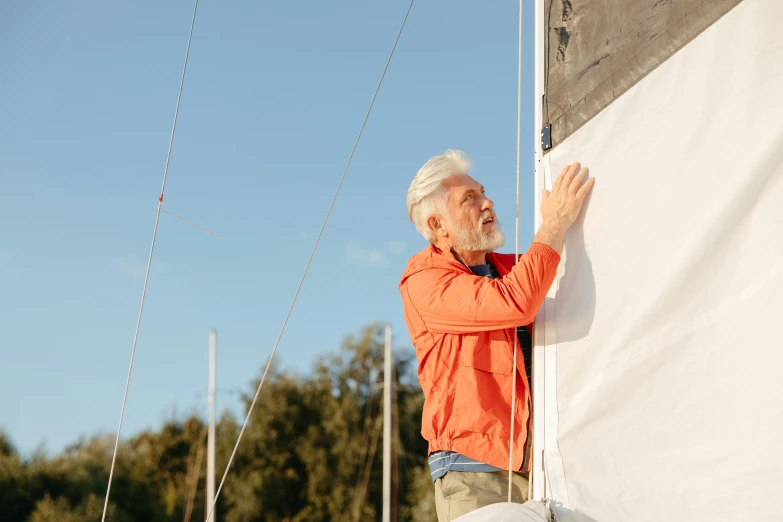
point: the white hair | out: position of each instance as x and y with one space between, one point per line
426 196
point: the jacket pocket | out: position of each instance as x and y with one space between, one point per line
488 351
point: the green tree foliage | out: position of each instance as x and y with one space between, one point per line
60 510
311 453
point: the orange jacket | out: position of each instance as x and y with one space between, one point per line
463 326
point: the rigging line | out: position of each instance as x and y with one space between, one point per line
190 223
195 473
395 447
309 261
362 493
365 437
149 264
516 256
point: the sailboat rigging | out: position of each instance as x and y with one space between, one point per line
213 501
642 409
149 264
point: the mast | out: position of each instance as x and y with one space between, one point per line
387 426
537 475
211 433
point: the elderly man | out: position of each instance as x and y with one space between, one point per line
463 305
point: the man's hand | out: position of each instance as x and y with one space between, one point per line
561 207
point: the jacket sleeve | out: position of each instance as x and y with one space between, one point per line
448 301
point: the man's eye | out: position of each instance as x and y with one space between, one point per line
470 196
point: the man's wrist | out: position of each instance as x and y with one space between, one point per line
553 227
552 234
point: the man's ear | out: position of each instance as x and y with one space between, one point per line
436 224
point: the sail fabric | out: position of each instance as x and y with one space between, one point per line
662 332
595 50
532 511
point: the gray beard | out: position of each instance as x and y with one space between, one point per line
476 240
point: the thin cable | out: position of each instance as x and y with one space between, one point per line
365 438
190 223
195 473
149 264
309 261
516 254
395 448
362 493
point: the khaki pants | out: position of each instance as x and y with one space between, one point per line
460 492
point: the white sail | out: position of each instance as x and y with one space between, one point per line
660 351
509 512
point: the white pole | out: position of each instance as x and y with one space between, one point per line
537 474
513 408
211 433
387 426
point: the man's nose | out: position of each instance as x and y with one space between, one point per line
487 205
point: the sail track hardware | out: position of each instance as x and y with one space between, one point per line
546 137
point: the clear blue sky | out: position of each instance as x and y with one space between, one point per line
273 99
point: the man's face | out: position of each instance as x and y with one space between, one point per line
472 224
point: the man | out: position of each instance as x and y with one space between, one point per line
463 304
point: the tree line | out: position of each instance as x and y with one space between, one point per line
311 453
